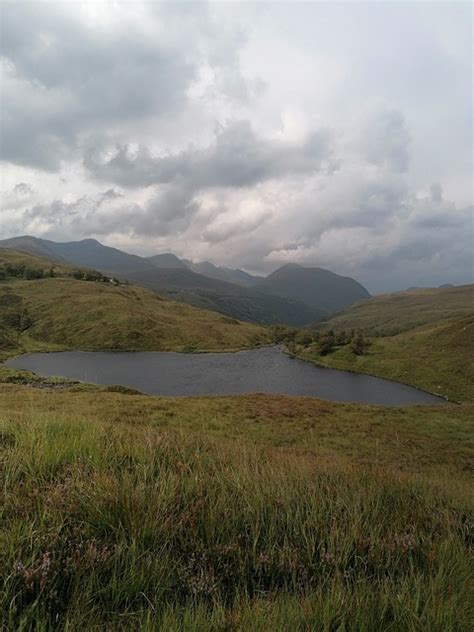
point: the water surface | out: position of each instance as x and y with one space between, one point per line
265 370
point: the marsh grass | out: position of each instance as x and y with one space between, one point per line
122 512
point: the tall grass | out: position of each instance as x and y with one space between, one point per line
126 526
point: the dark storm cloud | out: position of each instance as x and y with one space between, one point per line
186 127
63 78
237 157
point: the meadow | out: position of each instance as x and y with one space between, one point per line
127 512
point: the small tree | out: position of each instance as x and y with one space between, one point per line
304 338
359 344
326 344
341 338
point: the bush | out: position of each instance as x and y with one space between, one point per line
359 345
283 333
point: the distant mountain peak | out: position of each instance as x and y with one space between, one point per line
89 240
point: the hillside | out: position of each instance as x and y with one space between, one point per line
166 260
424 338
83 314
255 513
292 294
391 314
87 252
23 261
318 288
240 277
227 298
179 283
438 358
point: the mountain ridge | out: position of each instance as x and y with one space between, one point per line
292 294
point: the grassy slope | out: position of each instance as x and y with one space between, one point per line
86 315
33 261
391 314
127 512
64 313
438 358
424 338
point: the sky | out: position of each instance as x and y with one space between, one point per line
248 134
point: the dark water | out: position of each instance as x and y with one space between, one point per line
266 370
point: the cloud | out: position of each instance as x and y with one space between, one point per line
67 77
245 135
385 140
237 157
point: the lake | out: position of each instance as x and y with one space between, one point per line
264 370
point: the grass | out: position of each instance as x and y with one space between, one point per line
424 338
126 512
391 314
74 314
438 358
14 257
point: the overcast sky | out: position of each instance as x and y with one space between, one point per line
251 135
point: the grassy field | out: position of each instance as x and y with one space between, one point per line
126 512
391 314
424 338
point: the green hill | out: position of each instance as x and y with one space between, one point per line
424 338
94 314
438 358
391 314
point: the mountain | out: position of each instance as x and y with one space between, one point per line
80 314
179 283
31 245
233 300
240 277
167 260
318 288
293 295
88 252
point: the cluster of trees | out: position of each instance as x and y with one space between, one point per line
92 275
322 342
13 314
23 271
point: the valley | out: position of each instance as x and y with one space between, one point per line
128 511
281 297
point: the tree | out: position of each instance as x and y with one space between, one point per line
326 343
304 338
359 344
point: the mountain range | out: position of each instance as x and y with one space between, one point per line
293 294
